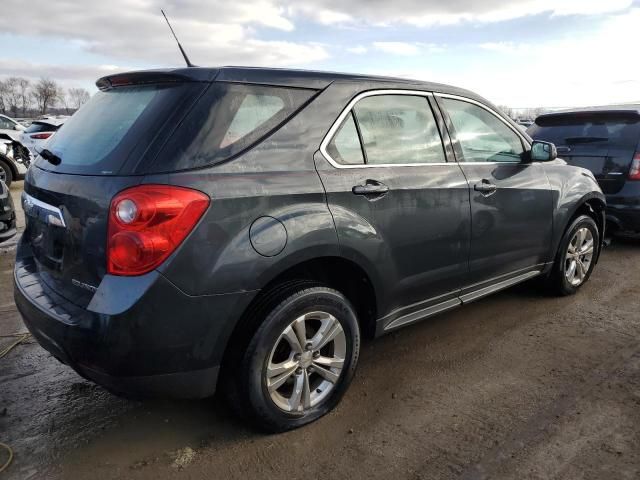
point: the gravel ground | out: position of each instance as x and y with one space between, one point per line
519 385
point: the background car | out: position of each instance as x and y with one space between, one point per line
10 127
525 123
37 134
11 168
7 214
14 157
605 140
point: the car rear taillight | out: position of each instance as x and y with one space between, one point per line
41 136
146 225
634 171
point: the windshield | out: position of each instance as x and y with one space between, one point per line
116 125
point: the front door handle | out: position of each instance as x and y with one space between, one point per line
485 187
370 188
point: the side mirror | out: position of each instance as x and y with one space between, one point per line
543 151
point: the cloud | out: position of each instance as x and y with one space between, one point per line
65 73
436 12
559 72
132 31
397 48
358 50
101 37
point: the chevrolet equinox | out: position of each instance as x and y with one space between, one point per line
243 229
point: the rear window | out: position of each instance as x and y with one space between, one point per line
36 127
117 124
226 121
615 129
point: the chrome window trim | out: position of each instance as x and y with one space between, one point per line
495 114
347 110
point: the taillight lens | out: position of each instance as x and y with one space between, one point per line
634 171
146 225
41 136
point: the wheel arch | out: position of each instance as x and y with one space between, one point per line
594 206
333 271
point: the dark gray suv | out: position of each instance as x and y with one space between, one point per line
244 228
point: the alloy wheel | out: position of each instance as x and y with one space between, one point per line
306 362
579 256
3 174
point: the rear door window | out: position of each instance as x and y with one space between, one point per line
345 148
398 129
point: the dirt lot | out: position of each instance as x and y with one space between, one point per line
519 385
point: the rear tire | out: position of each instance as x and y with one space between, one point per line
6 174
576 256
300 360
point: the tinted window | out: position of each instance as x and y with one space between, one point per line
398 129
6 124
254 110
36 127
117 124
573 129
227 120
482 136
345 147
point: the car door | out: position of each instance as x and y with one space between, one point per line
399 206
511 198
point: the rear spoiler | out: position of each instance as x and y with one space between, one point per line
576 117
139 78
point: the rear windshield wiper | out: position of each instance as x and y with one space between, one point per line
574 140
50 157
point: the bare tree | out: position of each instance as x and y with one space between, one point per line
78 97
46 93
12 95
63 100
25 98
3 97
508 111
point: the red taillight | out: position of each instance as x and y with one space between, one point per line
634 171
41 136
147 223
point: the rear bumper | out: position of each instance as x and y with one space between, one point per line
164 344
623 208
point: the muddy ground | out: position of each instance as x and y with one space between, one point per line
519 385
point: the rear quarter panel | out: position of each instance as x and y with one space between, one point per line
277 179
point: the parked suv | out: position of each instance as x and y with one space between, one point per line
244 228
605 140
7 214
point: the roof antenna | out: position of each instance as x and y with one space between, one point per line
186 59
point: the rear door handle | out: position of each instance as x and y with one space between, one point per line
370 188
485 187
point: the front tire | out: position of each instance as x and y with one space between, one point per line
300 361
6 174
576 256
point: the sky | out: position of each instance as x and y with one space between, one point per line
523 54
